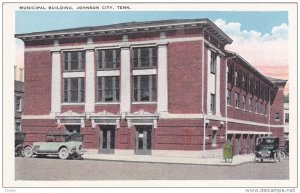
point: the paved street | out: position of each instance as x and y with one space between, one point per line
56 169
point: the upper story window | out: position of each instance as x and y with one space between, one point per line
256 107
244 102
145 57
18 103
230 72
74 90
237 99
74 61
108 59
245 82
286 119
213 62
213 103
257 88
277 117
228 97
239 79
144 88
250 104
235 77
108 89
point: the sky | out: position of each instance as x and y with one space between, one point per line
258 36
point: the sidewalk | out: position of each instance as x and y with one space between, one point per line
237 160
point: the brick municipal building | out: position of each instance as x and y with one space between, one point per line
161 87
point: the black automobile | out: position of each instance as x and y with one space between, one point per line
19 140
267 148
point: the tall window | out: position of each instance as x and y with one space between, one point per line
286 119
108 59
244 102
228 97
74 61
213 103
214 138
108 89
145 57
18 126
266 109
235 77
73 89
256 106
237 99
230 73
250 104
144 88
18 103
213 61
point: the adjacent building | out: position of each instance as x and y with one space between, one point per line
19 105
161 87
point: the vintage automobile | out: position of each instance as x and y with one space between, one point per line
267 148
65 145
19 148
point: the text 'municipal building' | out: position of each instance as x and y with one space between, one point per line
161 87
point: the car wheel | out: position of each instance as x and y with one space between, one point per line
63 153
261 160
28 152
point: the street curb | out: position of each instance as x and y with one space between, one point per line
161 162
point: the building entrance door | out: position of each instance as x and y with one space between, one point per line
143 139
107 139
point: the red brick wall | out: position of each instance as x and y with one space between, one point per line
111 108
278 132
178 135
37 97
184 77
75 108
244 127
151 108
277 107
37 129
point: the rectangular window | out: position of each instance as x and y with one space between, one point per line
18 103
235 77
237 100
214 138
262 106
74 90
144 88
250 104
145 57
228 97
256 106
74 61
108 89
277 117
213 62
230 73
213 103
257 89
286 119
244 102
18 126
108 59
266 109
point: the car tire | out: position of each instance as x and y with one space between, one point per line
63 153
28 152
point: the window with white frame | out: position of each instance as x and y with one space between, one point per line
213 62
108 59
73 90
108 89
266 109
18 126
228 97
256 106
144 88
237 99
250 106
74 60
235 77
212 103
18 103
287 118
244 102
145 57
214 138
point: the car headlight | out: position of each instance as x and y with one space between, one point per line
79 149
269 152
259 152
